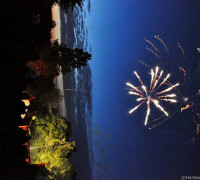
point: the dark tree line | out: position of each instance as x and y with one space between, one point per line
69 4
57 58
27 31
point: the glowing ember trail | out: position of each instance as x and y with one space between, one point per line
156 81
145 89
148 111
163 43
152 51
168 89
184 71
186 107
156 102
132 86
140 99
152 77
143 63
167 77
134 93
155 48
170 100
156 73
138 77
169 95
151 94
182 50
136 107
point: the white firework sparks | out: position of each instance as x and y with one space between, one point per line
151 94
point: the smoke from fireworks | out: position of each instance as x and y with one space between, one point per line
151 94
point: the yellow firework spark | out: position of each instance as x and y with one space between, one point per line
151 94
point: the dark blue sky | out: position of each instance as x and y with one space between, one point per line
117 29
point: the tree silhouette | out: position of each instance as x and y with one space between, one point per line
45 93
69 58
57 58
66 4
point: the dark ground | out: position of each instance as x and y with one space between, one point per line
20 42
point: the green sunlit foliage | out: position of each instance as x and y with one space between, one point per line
52 146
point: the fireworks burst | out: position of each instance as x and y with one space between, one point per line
152 94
